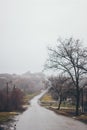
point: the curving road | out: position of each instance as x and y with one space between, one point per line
39 118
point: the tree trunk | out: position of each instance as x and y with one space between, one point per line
59 104
77 101
82 101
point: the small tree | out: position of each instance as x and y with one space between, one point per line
58 88
69 57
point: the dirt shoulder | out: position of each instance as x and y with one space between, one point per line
69 113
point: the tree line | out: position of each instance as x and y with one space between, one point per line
11 99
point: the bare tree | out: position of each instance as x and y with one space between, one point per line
69 57
58 88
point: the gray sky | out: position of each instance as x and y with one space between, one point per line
27 27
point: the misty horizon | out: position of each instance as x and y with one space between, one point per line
28 27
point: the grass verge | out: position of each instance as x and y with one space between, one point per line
6 116
50 104
28 98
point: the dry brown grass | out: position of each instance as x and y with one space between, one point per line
5 116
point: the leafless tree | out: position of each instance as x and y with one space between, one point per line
58 88
70 57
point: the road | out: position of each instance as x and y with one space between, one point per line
39 118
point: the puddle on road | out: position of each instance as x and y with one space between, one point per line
9 125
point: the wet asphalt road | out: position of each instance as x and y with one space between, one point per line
39 118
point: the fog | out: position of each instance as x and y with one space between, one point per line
27 27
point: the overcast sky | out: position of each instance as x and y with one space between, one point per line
27 27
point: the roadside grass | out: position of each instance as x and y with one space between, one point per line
6 116
29 97
65 109
47 101
46 98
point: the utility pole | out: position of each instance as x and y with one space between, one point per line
7 96
7 91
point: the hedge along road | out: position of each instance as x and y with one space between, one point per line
39 118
